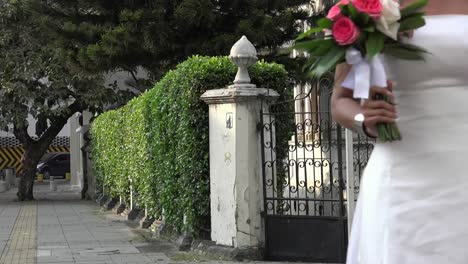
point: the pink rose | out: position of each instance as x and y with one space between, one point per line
335 11
345 31
371 7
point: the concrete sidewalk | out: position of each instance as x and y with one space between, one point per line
61 228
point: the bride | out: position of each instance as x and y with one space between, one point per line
413 203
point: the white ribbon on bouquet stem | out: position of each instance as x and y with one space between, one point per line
364 73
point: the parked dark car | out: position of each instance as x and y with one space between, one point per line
55 164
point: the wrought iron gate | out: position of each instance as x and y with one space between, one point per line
304 183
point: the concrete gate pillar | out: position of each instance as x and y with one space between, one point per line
75 152
79 125
235 155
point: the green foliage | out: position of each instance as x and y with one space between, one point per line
412 22
36 75
413 8
405 52
158 35
375 43
38 78
108 137
325 23
54 55
163 137
25 60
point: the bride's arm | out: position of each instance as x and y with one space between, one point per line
344 107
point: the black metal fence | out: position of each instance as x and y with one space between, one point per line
304 175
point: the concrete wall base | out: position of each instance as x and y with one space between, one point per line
146 222
134 214
110 204
102 199
121 208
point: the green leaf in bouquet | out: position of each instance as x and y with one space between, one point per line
413 8
412 22
411 47
416 14
411 19
309 33
363 20
362 40
400 52
310 64
353 11
366 18
335 55
323 48
325 23
344 10
309 45
369 29
374 44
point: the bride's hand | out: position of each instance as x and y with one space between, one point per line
379 111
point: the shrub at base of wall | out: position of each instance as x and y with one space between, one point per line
158 142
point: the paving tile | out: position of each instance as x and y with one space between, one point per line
131 258
60 228
21 245
157 257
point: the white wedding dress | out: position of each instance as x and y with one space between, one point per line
413 202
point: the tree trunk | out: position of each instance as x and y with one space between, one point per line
34 150
30 159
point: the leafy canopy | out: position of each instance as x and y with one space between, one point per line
159 34
37 76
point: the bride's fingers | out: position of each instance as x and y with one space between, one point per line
379 112
390 86
372 122
380 104
383 91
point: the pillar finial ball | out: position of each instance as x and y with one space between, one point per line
243 48
243 54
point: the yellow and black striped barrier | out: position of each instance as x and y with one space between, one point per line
58 149
11 156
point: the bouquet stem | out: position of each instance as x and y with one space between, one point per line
387 132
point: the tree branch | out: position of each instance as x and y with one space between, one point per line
57 124
21 133
133 74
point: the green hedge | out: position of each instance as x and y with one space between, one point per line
159 141
107 152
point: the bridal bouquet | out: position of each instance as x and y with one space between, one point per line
358 32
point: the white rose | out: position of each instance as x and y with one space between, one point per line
388 22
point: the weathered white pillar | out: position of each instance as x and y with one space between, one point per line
75 152
86 117
235 161
77 142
